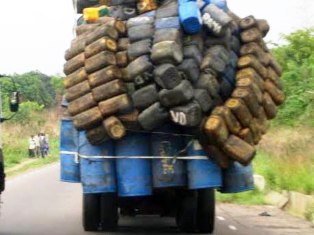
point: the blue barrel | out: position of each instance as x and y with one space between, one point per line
70 167
167 172
202 173
190 17
134 176
97 174
169 22
237 178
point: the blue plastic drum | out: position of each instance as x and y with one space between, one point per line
237 178
97 174
70 167
167 172
190 17
203 173
134 176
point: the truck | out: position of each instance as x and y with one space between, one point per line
155 120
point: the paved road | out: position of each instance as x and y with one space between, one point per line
36 203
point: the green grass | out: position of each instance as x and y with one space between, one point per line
293 173
16 157
254 197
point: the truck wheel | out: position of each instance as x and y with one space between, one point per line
187 212
91 212
108 211
206 210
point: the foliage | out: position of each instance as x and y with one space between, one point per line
254 197
297 61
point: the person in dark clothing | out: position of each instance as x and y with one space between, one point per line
2 175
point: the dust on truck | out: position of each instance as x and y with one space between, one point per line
164 103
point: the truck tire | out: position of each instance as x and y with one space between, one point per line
187 211
91 212
206 210
108 211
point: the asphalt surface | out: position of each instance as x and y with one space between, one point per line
37 203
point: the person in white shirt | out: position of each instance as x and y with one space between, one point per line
31 146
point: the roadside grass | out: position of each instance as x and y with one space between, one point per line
254 197
15 143
286 159
16 164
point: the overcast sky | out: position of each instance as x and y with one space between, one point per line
35 33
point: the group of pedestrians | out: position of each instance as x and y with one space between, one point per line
38 145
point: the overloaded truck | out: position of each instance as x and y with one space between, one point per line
164 104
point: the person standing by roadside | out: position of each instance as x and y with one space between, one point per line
31 146
37 142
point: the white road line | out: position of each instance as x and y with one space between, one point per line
231 227
220 218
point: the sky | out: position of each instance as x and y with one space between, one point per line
36 33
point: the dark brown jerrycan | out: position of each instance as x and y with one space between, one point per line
251 35
138 66
145 97
84 28
77 91
239 109
208 82
119 25
203 99
256 132
272 75
117 104
231 121
252 75
269 106
221 158
100 61
251 61
88 119
274 64
167 76
104 76
72 79
255 49
74 64
123 44
181 94
167 52
189 115
239 150
196 39
153 116
170 34
247 83
82 104
100 45
114 128
249 98
276 94
167 9
122 59
77 47
262 123
137 49
109 90
97 135
100 32
190 68
216 130
250 22
246 135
